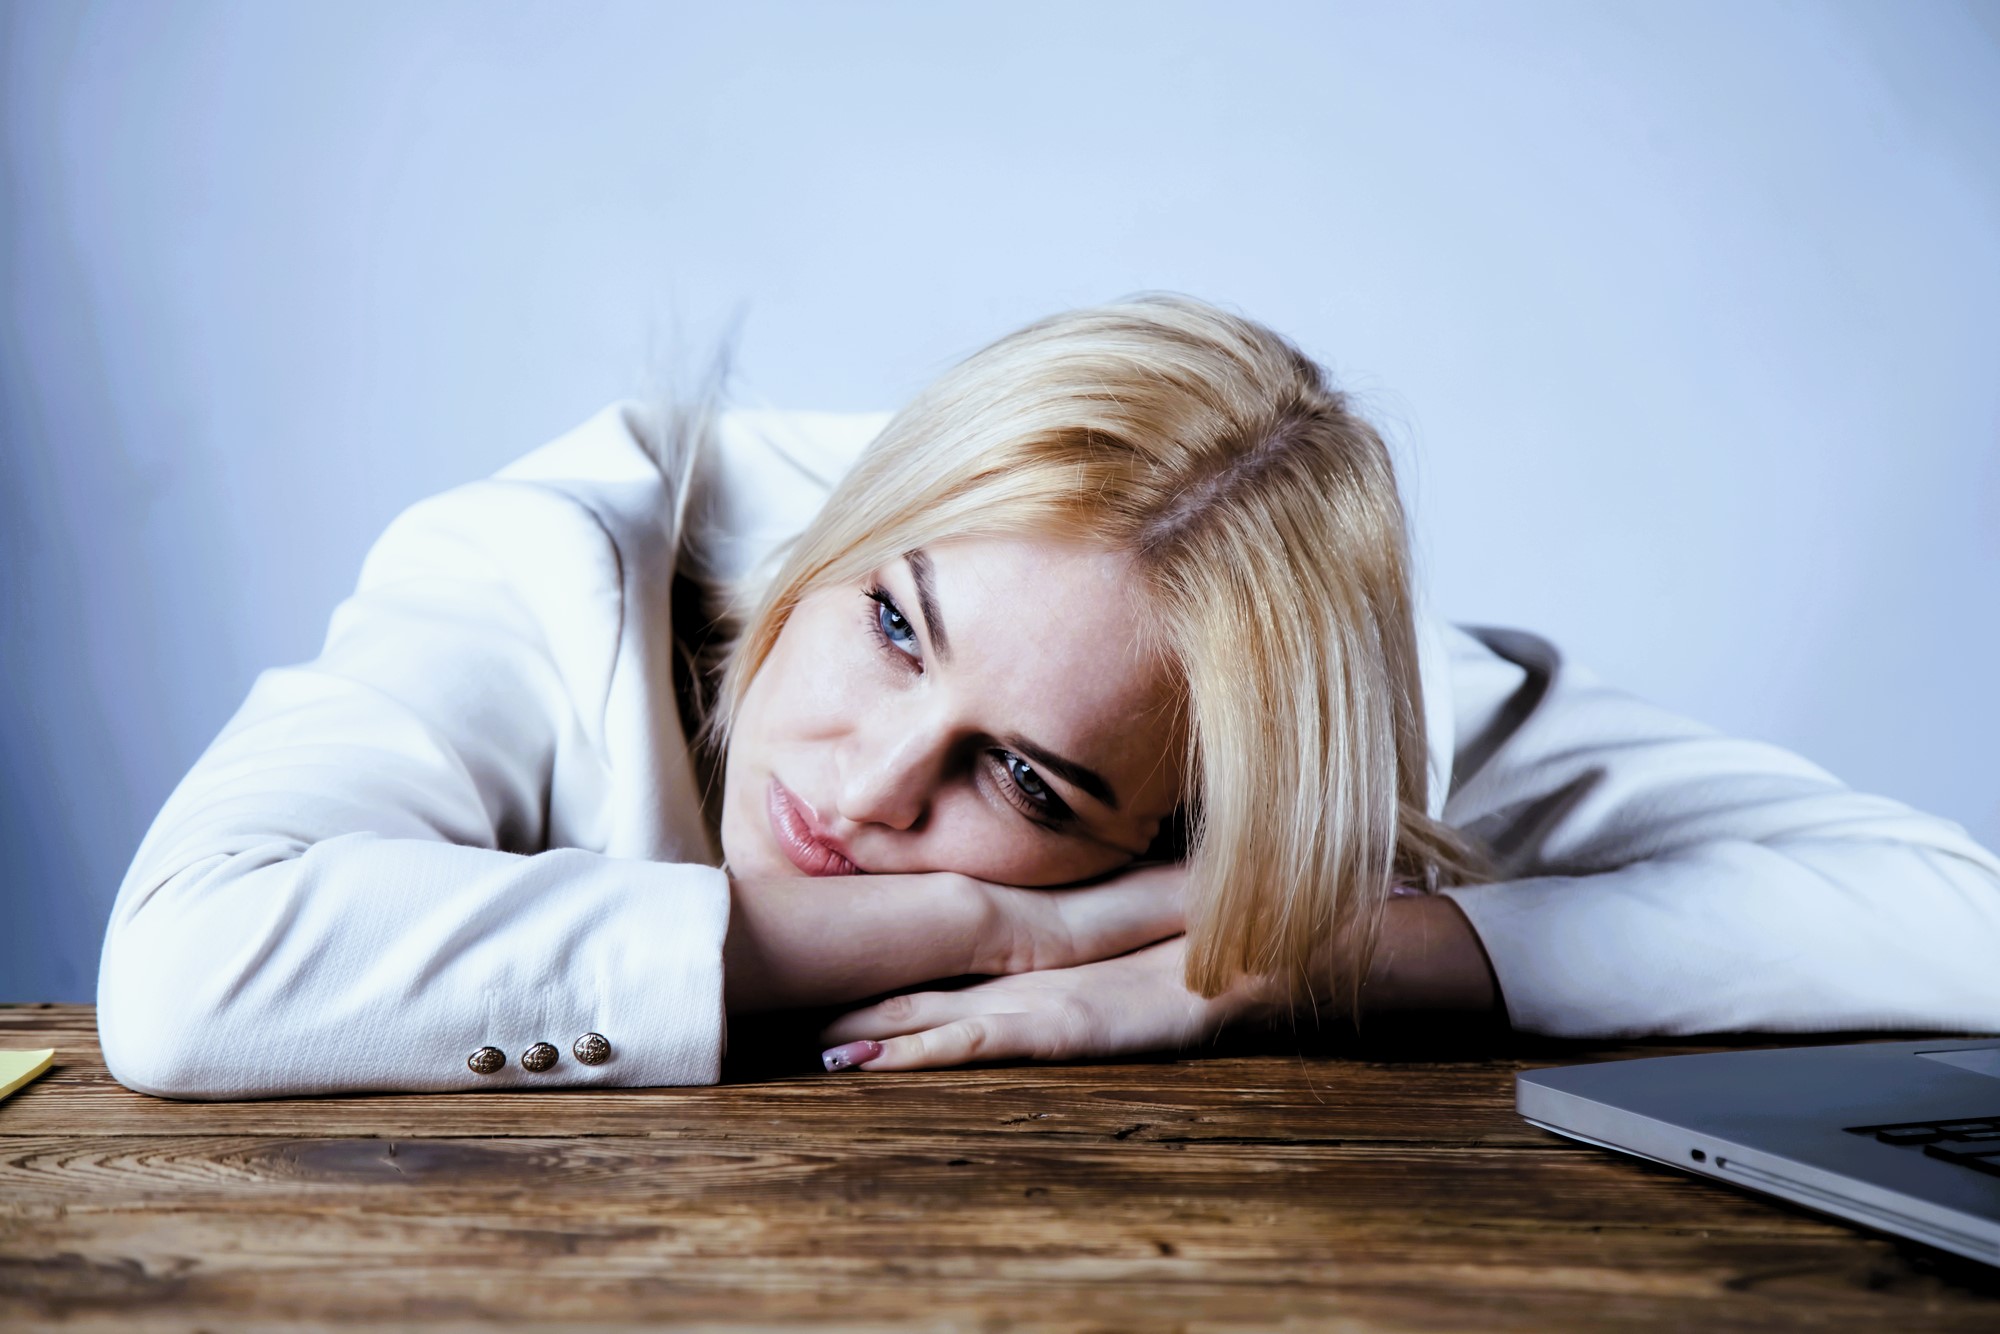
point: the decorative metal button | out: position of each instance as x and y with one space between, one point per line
539 1057
486 1060
592 1049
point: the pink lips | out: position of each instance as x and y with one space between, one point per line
799 836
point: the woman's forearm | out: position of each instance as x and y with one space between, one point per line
798 942
1428 962
801 942
1429 959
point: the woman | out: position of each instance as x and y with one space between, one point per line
1099 672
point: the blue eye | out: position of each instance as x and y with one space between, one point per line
1027 793
1028 781
895 627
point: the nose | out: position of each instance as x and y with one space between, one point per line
887 775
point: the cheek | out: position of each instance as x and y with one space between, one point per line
809 685
970 837
818 679
792 713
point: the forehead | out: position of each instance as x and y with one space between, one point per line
1053 641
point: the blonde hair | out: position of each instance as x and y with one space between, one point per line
1265 521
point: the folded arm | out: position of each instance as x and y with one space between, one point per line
1661 878
347 892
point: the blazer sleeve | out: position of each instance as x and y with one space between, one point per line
1662 878
347 892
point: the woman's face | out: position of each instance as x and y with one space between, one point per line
988 706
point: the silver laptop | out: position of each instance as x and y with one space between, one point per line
1899 1136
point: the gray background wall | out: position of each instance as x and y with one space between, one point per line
1685 318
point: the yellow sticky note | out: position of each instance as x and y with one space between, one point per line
18 1067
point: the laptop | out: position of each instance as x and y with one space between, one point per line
1903 1137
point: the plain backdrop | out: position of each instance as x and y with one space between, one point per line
1684 318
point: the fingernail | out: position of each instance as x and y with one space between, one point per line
851 1053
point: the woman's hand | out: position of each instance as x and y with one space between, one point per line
1429 961
806 942
1132 1003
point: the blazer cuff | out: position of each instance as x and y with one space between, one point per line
646 978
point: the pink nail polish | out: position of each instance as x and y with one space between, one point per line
850 1054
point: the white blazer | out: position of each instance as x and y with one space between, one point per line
472 822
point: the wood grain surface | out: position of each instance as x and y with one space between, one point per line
1270 1183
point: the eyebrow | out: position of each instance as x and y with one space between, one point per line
920 571
1076 775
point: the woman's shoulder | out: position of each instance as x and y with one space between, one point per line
615 467
621 481
762 477
743 485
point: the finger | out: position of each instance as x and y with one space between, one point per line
980 1037
907 1013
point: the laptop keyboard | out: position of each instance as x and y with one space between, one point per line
1971 1141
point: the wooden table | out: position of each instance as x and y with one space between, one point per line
1386 1186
